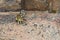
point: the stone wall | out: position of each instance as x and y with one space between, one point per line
35 5
56 4
29 4
10 4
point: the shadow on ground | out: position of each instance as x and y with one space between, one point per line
7 19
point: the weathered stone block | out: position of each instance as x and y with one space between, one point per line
34 4
10 4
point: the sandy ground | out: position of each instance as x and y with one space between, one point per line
39 26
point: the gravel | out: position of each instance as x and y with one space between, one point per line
37 29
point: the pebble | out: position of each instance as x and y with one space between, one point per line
59 31
11 39
33 16
10 29
35 25
28 32
39 33
41 26
24 24
48 26
32 30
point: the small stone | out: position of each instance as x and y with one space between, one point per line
35 25
10 29
28 32
21 36
39 33
11 39
48 26
59 32
33 16
41 26
32 30
24 23
42 35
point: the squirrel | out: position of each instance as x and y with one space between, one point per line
20 19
